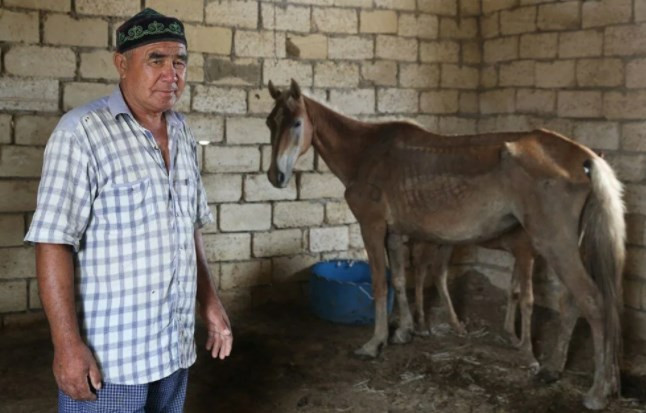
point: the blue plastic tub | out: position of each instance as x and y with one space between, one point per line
341 292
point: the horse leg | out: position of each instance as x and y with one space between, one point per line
569 314
420 252
395 245
440 273
512 303
367 204
373 238
566 262
524 269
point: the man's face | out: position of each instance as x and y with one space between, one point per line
153 76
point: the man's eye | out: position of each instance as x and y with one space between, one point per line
180 63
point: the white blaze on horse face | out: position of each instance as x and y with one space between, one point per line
287 159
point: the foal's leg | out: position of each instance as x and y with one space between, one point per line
439 271
520 291
512 304
404 331
420 255
524 269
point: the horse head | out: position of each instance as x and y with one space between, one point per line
291 132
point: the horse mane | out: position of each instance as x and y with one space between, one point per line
363 121
419 132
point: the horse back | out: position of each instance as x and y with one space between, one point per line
405 152
465 188
547 155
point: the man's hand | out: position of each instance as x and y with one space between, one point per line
220 339
75 369
74 365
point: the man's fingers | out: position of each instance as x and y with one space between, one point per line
79 391
77 372
217 343
226 342
228 345
95 376
209 342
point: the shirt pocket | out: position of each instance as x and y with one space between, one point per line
123 206
186 189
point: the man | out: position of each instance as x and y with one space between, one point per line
119 255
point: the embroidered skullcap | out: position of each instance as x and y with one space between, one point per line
149 26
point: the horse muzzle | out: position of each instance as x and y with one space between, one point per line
278 178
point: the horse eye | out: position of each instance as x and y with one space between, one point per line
297 124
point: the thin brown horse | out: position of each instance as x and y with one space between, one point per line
434 258
403 180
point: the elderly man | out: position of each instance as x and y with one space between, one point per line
119 254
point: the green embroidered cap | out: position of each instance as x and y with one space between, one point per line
149 26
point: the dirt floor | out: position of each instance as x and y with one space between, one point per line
286 360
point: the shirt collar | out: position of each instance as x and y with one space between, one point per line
117 105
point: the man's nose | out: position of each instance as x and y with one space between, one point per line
169 71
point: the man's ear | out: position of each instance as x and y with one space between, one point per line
121 64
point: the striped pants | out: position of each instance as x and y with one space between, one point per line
162 396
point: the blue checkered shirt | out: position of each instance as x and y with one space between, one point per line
105 191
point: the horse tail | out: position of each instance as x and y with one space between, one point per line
603 235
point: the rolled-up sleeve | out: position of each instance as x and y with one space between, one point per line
65 194
204 215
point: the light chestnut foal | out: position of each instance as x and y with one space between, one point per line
403 180
434 259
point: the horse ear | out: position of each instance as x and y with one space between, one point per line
295 90
275 93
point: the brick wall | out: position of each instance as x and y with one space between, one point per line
453 66
374 59
577 67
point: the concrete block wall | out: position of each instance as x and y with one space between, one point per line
576 67
373 59
453 66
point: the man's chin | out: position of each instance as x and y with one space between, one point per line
167 104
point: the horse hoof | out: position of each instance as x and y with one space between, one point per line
401 336
548 376
534 367
460 330
422 332
592 402
364 354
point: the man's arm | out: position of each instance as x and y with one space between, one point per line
74 365
220 338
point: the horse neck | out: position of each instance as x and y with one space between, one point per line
339 140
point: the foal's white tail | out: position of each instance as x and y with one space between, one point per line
603 251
